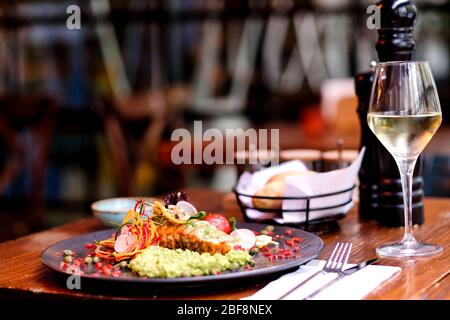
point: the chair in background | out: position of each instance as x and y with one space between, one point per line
133 127
134 121
22 117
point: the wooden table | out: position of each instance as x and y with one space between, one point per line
23 275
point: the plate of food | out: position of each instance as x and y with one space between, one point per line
170 243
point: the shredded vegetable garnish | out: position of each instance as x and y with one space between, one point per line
136 233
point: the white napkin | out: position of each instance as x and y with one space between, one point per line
353 287
321 183
249 183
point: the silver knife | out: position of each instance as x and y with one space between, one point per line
345 273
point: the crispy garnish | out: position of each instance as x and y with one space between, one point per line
159 209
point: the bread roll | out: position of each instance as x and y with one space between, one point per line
274 187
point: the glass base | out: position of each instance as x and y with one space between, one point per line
400 249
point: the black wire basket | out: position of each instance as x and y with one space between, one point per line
318 226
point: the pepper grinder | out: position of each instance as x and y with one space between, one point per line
380 185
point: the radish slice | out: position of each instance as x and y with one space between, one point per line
124 230
187 207
124 243
247 238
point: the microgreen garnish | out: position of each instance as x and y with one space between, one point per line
173 197
232 222
200 215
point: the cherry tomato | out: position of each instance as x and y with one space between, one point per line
219 221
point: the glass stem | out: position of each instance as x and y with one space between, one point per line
406 167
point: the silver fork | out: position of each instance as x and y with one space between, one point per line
338 268
335 263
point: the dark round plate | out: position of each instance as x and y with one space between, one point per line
310 247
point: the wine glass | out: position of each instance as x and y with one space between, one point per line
404 113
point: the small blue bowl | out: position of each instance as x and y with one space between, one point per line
111 211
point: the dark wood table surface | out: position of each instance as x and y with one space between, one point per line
23 275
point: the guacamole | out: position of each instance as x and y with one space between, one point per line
158 262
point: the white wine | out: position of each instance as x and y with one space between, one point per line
404 136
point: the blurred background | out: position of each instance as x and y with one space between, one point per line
88 114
